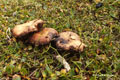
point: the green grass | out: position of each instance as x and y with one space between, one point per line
98 28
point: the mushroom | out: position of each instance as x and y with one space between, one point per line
43 36
69 41
24 29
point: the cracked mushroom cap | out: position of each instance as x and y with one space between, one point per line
43 37
25 28
69 41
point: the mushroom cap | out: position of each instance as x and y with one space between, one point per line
43 37
23 29
69 41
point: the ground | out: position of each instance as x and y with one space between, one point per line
98 27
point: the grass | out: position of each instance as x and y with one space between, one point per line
99 28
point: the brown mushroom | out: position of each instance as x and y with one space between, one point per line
43 37
69 41
23 29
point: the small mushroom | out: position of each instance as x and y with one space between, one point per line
43 37
24 29
69 41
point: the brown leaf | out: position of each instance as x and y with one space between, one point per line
16 77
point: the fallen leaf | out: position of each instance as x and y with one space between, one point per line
16 77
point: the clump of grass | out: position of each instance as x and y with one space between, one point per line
99 29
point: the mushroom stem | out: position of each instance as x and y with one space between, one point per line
63 61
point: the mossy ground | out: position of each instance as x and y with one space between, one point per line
99 28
